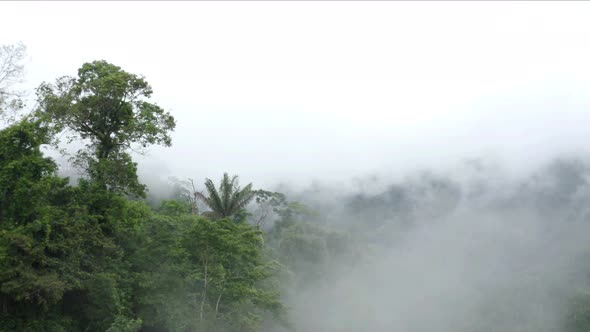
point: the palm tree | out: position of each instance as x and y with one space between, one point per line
229 199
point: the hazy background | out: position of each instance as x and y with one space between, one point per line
475 248
296 91
341 104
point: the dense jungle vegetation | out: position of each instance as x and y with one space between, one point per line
95 255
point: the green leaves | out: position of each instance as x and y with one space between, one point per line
51 243
125 324
229 200
201 275
106 107
86 258
230 268
26 176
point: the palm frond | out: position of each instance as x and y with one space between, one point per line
229 199
213 200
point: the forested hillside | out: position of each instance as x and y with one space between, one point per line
433 252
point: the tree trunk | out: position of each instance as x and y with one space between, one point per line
217 303
204 297
4 301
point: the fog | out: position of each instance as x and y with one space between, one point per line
301 91
475 250
449 139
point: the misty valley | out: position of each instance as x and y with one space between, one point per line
93 239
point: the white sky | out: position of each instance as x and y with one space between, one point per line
303 90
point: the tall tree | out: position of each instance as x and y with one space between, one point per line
228 265
229 199
106 107
11 73
49 245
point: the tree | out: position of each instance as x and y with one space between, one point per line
274 206
227 263
106 107
11 73
50 247
269 204
210 275
229 200
26 176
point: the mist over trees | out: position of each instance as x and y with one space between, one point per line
469 249
11 73
88 257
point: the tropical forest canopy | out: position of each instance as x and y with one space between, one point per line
95 255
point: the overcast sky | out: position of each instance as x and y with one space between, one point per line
309 90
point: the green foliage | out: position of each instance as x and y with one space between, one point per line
125 324
210 275
160 293
229 199
174 208
230 266
84 258
106 107
87 258
310 252
578 318
55 252
26 181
